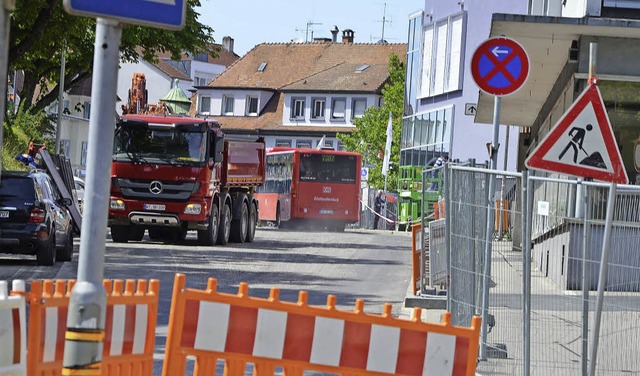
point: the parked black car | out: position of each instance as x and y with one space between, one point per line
34 218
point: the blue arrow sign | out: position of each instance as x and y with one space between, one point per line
167 14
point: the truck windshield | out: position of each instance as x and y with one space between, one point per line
162 145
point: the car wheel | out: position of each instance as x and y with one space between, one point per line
209 236
253 222
66 253
240 226
120 234
46 254
225 225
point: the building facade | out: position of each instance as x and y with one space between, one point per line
296 94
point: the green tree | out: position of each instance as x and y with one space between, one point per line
40 29
370 136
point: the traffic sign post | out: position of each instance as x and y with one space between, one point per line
499 66
87 304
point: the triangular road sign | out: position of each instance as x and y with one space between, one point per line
582 143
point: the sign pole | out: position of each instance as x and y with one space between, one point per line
87 306
486 279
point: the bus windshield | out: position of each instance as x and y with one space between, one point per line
162 145
328 168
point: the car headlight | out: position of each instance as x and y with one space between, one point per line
116 204
193 209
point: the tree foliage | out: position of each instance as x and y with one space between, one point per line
40 29
370 136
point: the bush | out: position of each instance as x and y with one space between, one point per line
19 129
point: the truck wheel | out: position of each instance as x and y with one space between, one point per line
239 227
209 236
137 233
120 234
224 229
253 222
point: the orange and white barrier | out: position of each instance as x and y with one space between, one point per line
13 331
269 333
130 325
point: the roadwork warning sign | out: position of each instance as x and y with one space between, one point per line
582 143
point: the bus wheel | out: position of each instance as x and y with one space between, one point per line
277 223
338 226
253 222
225 225
240 226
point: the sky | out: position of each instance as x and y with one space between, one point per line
281 21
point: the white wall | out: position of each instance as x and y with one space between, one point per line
158 83
372 100
239 97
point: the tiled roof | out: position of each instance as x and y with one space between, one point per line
288 63
224 57
344 78
170 71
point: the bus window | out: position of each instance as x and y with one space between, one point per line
328 168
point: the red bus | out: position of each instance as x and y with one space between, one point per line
316 188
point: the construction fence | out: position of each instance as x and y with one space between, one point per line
528 254
229 334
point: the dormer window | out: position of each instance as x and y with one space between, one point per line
252 106
297 108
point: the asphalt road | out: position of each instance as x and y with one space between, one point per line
356 264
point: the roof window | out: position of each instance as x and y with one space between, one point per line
262 66
362 67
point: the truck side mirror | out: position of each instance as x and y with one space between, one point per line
218 149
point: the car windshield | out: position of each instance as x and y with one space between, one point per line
159 145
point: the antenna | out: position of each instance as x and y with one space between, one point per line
384 19
310 23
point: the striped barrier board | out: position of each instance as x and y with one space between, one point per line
13 331
130 324
297 337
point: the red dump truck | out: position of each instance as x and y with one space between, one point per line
173 174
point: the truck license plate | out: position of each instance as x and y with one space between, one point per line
326 211
4 214
160 207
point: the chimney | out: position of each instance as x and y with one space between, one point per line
347 36
227 44
334 33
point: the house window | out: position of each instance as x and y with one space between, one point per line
340 146
227 105
442 56
285 143
65 146
252 106
297 108
337 108
318 109
205 105
303 144
86 110
83 154
326 144
359 105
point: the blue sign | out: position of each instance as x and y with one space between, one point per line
500 66
166 14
